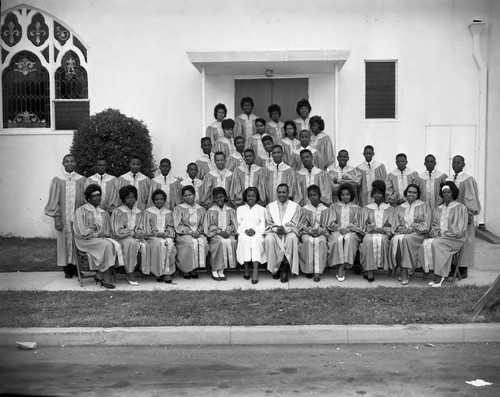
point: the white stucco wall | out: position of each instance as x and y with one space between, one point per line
137 53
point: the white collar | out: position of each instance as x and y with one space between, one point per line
314 171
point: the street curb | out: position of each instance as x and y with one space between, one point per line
256 335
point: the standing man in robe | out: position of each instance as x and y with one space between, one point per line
206 161
370 171
108 184
398 180
245 176
310 175
278 173
137 179
219 177
305 143
430 182
66 195
468 195
343 173
282 235
168 183
236 158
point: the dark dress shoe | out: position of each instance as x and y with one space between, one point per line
309 275
194 275
187 276
67 272
223 278
246 277
463 272
255 281
216 278
159 279
284 278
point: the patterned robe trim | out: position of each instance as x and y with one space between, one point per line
378 212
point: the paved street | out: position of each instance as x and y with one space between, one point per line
356 370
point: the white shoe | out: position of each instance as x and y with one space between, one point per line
340 279
133 282
431 283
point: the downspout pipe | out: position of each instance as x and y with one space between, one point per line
476 28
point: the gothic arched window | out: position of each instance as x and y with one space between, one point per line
26 93
71 78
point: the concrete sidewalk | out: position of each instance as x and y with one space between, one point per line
487 267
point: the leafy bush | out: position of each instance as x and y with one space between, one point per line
115 137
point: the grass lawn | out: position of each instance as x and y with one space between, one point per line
27 254
276 307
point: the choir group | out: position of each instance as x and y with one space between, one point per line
259 195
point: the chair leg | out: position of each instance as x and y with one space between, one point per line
79 275
456 273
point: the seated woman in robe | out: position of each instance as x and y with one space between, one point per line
345 228
413 219
190 241
251 218
158 227
313 247
125 222
220 227
378 224
447 235
92 228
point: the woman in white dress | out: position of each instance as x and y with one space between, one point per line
251 226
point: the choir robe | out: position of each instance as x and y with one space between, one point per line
449 228
109 190
191 252
288 148
102 252
265 160
342 248
234 161
161 250
323 144
254 142
251 248
374 250
313 251
222 250
214 131
279 247
277 174
143 185
205 164
245 177
245 125
404 247
370 172
213 179
396 182
276 130
339 176
296 163
302 124
304 179
430 186
224 145
468 195
125 224
66 194
196 183
172 188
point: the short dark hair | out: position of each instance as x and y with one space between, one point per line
305 151
301 103
401 155
227 124
283 185
249 150
126 190
218 107
267 138
419 192
260 120
158 192
294 126
349 188
251 189
314 188
453 187
165 161
378 185
68 155
246 99
274 108
91 189
190 164
188 188
342 150
430 155
317 120
219 153
219 190
369 147
101 159
278 146
239 137
135 157
204 139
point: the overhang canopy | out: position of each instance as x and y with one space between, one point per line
257 62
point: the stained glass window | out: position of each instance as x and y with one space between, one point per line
26 93
71 78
